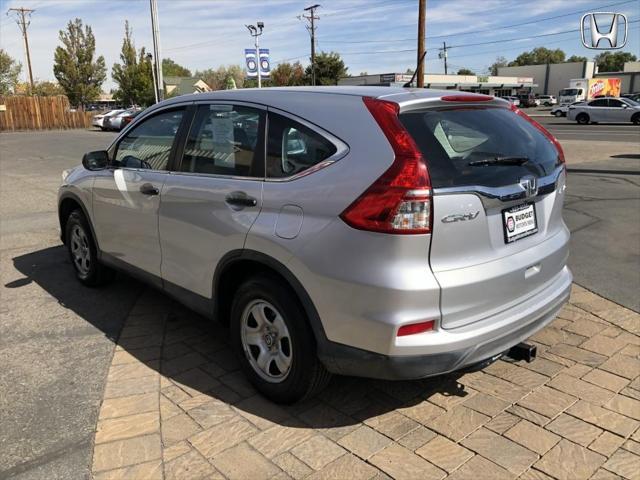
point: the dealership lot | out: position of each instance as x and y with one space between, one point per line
171 401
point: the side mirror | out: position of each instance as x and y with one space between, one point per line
624 105
97 160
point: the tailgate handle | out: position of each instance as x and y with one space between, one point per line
532 271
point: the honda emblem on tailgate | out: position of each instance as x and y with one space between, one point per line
530 185
596 35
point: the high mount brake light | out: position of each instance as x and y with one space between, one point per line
400 200
542 130
467 98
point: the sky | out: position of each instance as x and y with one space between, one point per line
374 36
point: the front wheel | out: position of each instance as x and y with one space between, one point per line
83 252
636 119
273 341
558 113
582 119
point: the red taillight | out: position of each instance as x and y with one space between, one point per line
400 200
415 328
542 130
467 98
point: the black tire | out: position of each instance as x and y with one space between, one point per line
636 119
558 114
306 375
582 119
91 273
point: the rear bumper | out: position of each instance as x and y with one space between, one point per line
457 348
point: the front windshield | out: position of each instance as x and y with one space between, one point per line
569 91
630 102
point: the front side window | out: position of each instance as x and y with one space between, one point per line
293 148
224 140
149 144
615 103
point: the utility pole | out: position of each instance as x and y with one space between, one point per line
155 30
311 28
153 76
443 55
422 15
22 19
255 31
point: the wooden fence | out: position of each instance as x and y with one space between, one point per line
19 112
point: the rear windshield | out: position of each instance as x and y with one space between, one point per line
451 139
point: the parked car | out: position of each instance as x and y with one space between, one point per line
606 109
98 120
369 231
561 110
513 100
527 100
632 96
114 122
547 100
128 118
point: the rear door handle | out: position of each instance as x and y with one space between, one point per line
240 199
148 189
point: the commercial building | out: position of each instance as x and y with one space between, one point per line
549 79
499 86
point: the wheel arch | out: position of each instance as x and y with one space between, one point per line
238 265
68 203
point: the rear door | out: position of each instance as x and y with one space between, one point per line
498 236
214 196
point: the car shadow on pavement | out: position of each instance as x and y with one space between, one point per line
193 356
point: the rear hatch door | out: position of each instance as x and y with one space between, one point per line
497 225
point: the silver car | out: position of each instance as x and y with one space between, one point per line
99 120
606 109
372 231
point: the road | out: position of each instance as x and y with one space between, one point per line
56 338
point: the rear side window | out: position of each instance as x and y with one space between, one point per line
293 148
223 140
452 139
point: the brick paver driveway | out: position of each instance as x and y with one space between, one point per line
176 407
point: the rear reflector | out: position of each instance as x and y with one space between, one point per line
415 328
400 200
467 98
542 130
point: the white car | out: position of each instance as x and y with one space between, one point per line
515 101
606 109
98 120
561 110
547 100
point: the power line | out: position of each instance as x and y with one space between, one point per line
23 16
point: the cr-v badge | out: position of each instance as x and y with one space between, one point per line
460 217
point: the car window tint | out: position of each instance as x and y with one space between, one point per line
615 103
451 140
293 148
149 144
599 103
223 141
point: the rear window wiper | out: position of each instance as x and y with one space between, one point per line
499 161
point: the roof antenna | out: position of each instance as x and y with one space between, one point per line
408 84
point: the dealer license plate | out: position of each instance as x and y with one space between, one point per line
519 222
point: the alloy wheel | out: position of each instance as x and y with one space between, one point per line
80 250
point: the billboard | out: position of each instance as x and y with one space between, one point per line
603 87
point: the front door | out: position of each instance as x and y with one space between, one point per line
126 197
210 202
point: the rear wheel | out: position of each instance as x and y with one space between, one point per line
582 119
558 113
83 252
273 341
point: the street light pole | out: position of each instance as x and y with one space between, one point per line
255 31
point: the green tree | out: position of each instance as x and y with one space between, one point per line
465 71
329 69
133 76
500 62
172 69
287 75
576 58
218 78
613 62
538 56
44 89
9 73
75 67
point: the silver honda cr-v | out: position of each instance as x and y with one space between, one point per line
370 231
